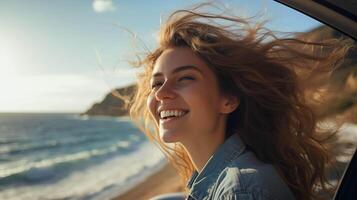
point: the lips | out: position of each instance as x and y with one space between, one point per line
170 119
167 110
170 114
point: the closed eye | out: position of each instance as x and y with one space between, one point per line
186 78
157 84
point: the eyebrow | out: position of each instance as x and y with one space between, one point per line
179 69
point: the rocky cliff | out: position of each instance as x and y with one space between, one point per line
113 103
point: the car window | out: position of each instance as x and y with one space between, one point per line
64 131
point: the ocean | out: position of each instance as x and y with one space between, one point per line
66 156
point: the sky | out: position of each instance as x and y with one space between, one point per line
63 56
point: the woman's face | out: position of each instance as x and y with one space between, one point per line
185 100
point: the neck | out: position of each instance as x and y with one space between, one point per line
200 155
201 150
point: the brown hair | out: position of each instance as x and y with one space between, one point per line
271 76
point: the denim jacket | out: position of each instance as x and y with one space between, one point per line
234 172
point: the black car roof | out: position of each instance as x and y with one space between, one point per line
339 14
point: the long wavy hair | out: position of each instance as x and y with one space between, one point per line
272 76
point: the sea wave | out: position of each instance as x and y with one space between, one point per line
2 142
16 148
110 118
44 165
101 181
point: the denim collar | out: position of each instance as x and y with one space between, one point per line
228 151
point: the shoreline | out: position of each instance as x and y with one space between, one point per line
165 180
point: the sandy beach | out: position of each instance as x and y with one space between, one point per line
164 181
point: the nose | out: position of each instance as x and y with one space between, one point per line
166 91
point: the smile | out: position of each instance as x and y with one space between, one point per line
168 115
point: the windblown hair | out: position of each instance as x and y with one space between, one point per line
271 76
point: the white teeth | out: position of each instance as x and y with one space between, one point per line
171 113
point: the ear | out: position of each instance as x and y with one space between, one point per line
229 104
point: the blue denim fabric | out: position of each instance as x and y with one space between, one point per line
234 173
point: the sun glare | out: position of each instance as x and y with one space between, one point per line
9 57
11 60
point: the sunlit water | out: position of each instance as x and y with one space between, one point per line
64 156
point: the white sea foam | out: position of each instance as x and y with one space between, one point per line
102 181
24 165
99 117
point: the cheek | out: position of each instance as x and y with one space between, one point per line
203 99
205 106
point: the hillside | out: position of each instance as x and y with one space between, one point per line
112 105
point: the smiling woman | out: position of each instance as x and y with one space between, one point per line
227 100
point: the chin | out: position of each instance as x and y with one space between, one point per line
169 137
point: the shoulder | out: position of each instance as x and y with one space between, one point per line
248 178
236 183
